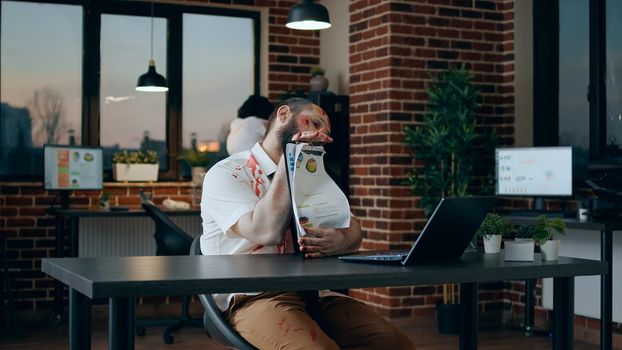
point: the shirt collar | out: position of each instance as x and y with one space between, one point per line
264 160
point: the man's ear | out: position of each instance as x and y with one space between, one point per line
283 113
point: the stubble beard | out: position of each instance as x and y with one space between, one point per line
288 131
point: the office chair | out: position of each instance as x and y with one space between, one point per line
170 240
216 326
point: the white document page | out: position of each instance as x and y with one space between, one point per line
316 198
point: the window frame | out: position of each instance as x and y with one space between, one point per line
546 80
91 59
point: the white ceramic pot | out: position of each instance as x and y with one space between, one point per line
197 175
492 244
550 249
135 172
519 250
319 83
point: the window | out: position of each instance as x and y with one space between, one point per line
574 78
218 75
129 119
41 83
87 57
613 82
577 70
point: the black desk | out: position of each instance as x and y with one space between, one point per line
123 279
71 217
606 228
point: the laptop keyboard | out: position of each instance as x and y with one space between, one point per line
389 256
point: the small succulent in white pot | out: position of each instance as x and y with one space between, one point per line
492 230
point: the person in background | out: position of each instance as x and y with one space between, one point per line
250 125
246 209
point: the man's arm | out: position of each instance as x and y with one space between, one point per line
267 222
326 241
272 214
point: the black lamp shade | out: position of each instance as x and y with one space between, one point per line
151 81
308 15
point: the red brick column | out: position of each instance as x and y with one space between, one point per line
394 45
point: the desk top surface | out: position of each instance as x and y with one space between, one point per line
171 275
93 212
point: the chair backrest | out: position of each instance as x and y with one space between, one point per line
170 239
213 321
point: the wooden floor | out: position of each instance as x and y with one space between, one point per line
422 330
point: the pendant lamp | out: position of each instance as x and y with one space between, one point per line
151 81
308 15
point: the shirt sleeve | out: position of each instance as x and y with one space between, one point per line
226 196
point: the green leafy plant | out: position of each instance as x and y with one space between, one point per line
196 158
135 157
448 148
494 224
524 231
545 228
316 70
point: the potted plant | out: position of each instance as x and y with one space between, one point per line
544 233
199 162
318 80
135 166
492 229
450 153
522 246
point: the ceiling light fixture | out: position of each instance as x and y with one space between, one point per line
151 81
308 15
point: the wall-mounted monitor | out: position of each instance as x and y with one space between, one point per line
72 168
534 171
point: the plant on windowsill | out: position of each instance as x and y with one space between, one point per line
492 230
135 166
451 156
199 162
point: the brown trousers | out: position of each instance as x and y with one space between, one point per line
280 321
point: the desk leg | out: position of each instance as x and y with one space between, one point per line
121 324
563 307
530 303
79 321
59 246
468 316
606 289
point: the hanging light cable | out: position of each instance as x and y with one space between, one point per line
308 15
151 81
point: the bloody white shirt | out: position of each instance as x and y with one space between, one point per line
232 188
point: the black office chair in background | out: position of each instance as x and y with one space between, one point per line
214 323
170 240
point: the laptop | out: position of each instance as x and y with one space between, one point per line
444 237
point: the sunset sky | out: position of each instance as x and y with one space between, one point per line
41 47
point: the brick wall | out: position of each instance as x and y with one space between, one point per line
393 47
29 231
